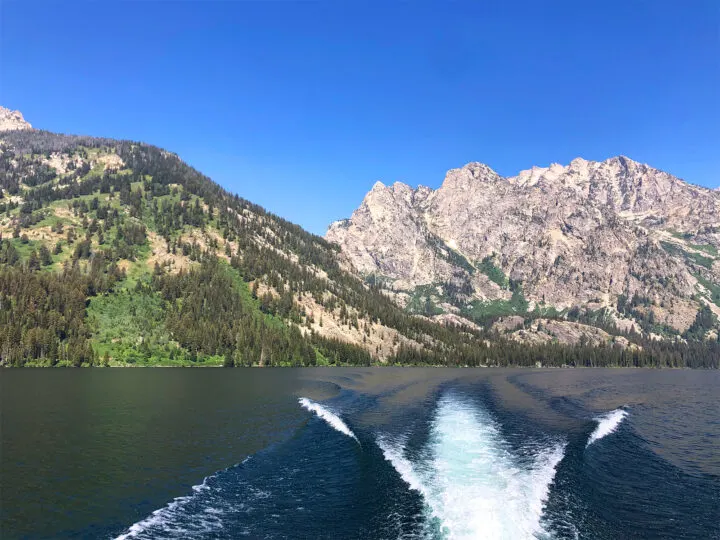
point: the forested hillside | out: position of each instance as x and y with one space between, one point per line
116 253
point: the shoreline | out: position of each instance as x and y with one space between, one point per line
373 366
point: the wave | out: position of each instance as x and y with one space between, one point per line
607 424
204 504
472 484
161 520
330 417
221 505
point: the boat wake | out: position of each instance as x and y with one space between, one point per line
607 424
330 417
240 500
471 482
205 505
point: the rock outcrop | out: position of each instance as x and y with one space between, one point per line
12 120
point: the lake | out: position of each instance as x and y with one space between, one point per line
359 453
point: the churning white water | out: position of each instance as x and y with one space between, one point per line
471 481
607 424
330 417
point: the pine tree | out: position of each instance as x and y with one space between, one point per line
45 257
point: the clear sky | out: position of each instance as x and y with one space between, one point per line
301 106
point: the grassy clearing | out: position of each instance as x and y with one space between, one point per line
679 235
710 286
129 329
689 256
494 273
706 262
24 248
248 301
138 270
541 310
482 311
421 301
707 248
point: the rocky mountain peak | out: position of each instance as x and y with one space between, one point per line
469 177
582 234
12 120
382 195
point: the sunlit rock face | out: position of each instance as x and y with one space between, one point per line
575 235
12 120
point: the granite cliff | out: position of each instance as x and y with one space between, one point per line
617 240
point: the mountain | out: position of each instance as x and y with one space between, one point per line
616 244
117 253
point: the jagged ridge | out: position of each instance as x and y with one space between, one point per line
588 235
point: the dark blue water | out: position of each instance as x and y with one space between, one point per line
426 453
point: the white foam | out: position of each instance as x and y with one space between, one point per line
470 480
607 424
168 522
394 452
330 417
164 522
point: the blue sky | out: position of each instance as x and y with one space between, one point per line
301 106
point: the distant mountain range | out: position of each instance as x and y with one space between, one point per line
118 253
615 242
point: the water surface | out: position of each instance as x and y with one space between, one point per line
359 453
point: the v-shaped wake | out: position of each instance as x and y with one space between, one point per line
472 483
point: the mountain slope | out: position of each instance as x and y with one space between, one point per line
118 253
616 236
